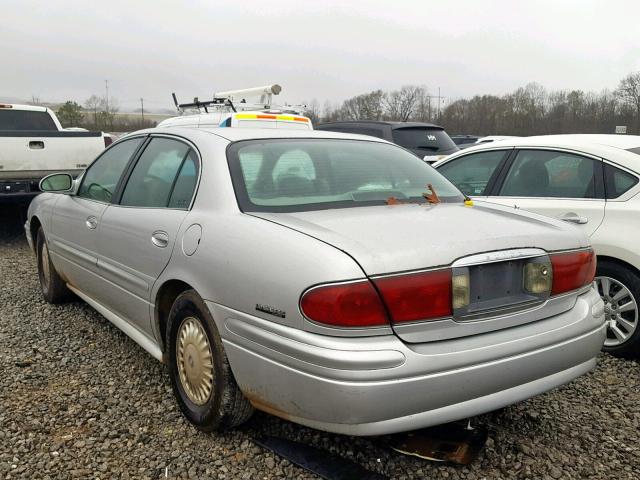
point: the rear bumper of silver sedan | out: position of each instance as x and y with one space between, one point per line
380 385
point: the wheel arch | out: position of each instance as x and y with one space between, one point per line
619 262
167 293
34 226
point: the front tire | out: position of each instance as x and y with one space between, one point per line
619 287
54 290
200 373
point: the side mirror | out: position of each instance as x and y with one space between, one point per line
57 182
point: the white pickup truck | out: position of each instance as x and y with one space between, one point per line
33 144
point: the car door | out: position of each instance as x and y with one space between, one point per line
556 183
75 218
474 174
137 234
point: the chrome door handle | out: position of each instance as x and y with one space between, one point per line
91 222
160 239
575 219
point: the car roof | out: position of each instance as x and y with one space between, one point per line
394 125
611 147
624 142
236 134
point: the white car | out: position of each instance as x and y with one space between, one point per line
588 180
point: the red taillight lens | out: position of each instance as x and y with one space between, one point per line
417 296
572 270
344 305
107 141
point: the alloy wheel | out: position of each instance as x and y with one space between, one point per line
620 310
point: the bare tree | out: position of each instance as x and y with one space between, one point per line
93 105
628 92
312 110
108 110
368 106
401 104
422 111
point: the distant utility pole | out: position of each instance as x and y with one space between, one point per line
106 87
438 104
142 108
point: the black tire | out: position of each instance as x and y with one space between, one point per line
629 278
225 407
53 287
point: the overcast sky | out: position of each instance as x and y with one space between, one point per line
326 49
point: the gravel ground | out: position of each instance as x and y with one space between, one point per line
78 399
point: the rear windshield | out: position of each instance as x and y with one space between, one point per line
423 138
290 175
26 120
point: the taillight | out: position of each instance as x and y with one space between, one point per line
354 304
572 270
417 296
108 140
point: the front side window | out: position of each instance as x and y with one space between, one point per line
100 181
296 175
617 181
543 173
152 179
471 173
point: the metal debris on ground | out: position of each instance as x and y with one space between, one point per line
452 442
316 460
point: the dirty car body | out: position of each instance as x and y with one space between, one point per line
335 309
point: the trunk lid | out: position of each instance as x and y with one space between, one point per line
400 238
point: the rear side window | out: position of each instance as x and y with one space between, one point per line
423 138
617 181
26 120
100 180
471 173
185 183
152 179
543 173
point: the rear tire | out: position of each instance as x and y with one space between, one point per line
200 373
54 289
619 287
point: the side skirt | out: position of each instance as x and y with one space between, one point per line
136 335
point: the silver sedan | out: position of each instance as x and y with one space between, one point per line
333 280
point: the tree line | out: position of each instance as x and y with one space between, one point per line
99 113
529 110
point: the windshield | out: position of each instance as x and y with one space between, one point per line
290 175
26 120
423 138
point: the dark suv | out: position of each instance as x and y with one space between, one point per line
427 141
